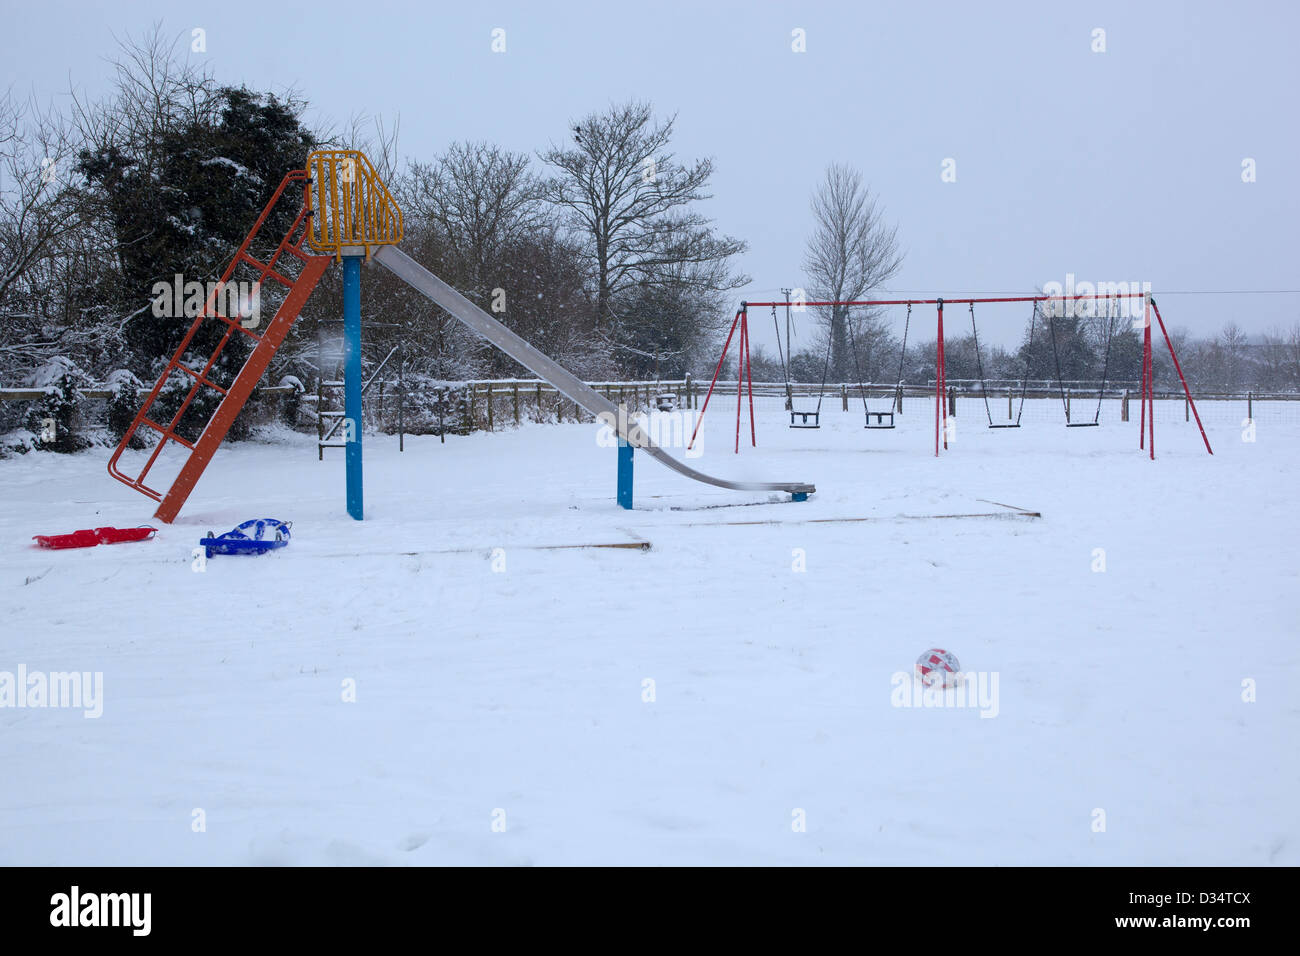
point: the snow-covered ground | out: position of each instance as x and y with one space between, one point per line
502 710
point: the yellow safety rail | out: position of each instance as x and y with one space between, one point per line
349 205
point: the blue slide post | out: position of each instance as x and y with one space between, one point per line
352 381
624 475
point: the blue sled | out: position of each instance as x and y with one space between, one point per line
251 537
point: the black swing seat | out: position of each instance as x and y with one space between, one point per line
803 419
1008 425
880 419
1082 424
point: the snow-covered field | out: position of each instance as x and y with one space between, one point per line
502 713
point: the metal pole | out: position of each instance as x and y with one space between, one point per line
940 409
709 394
352 383
740 376
1179 369
749 377
624 493
787 292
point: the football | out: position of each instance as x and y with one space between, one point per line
937 666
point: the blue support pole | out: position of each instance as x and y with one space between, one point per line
624 475
352 381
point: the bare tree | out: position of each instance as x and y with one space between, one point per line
1232 342
373 135
852 251
156 89
1292 345
478 199
629 199
44 237
38 199
1277 363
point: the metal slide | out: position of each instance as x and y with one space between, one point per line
569 385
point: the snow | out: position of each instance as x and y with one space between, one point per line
52 372
521 690
120 378
238 169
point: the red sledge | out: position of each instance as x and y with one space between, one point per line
88 538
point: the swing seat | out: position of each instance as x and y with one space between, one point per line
1009 425
1082 424
803 417
880 419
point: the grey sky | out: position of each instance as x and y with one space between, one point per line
1123 165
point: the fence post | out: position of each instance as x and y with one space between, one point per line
559 407
1009 412
516 399
1186 413
1067 406
1250 405
469 410
1123 406
539 401
952 400
489 405
844 397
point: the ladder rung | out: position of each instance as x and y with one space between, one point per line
332 384
266 270
333 444
200 379
259 266
332 414
167 436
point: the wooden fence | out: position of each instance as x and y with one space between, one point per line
489 404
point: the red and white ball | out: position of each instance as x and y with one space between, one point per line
939 668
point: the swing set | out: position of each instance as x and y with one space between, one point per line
799 416
1049 306
1111 315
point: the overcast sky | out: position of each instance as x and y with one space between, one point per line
1116 165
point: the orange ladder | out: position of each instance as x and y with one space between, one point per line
288 254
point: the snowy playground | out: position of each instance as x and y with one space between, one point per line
715 435
457 679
